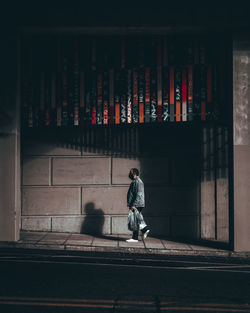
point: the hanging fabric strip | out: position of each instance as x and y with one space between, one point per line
147 95
129 97
172 94
159 82
178 94
135 96
184 94
105 97
111 96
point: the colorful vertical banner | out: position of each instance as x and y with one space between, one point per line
147 95
165 83
111 97
190 83
159 82
172 93
135 110
105 98
76 81
184 94
99 111
117 96
153 90
129 97
141 79
177 94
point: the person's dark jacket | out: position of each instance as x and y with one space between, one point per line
135 195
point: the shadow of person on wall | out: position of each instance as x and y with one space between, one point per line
94 220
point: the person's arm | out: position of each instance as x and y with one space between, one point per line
130 196
137 193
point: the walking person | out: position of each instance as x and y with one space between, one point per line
136 201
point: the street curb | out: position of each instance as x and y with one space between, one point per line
125 251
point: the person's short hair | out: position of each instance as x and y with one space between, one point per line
135 171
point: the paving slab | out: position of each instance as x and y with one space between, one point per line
79 239
198 247
56 238
114 244
153 243
175 245
104 242
30 236
47 246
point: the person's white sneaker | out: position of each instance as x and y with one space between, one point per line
132 240
146 234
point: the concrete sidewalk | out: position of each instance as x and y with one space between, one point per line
114 243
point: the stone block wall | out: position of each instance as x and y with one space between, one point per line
241 141
71 188
215 184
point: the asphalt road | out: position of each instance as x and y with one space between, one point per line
89 284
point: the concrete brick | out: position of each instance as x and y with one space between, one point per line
241 198
121 167
95 225
154 170
184 226
163 201
81 171
222 210
207 210
36 223
36 171
184 170
159 226
9 185
46 147
110 200
241 91
120 225
50 200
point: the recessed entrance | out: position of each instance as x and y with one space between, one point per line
155 102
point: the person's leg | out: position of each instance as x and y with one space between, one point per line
135 235
144 230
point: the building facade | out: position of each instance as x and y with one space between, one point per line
75 179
